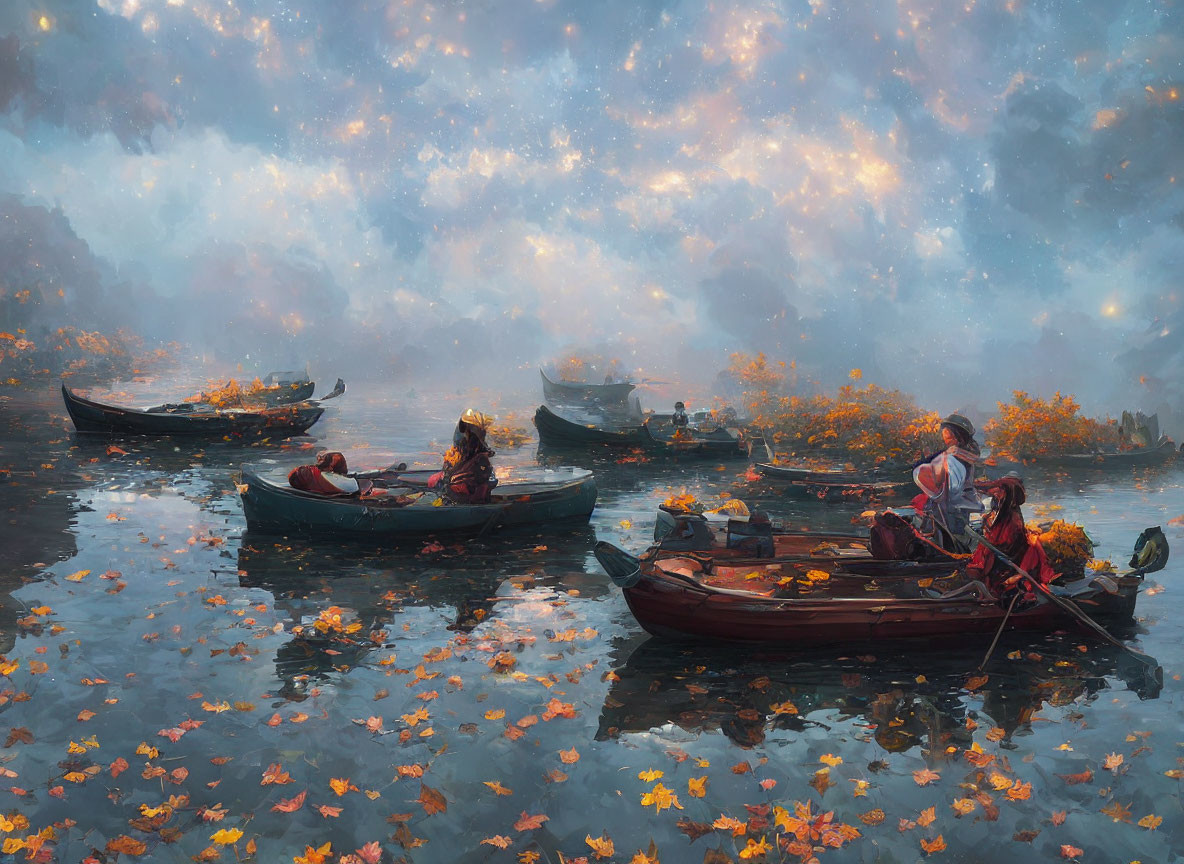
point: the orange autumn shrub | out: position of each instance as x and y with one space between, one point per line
869 425
232 394
759 380
1028 427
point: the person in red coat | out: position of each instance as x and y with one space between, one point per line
1004 529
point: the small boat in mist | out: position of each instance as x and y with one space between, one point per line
563 392
557 431
195 419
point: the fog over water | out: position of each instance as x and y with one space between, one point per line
961 199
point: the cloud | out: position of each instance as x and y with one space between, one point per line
958 198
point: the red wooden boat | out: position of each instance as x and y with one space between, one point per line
687 594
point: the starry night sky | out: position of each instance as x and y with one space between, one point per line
960 198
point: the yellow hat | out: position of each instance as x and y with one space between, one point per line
477 419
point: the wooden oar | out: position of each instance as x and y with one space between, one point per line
999 632
1068 605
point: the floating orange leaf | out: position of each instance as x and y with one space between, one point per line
527 822
601 846
937 844
328 812
1118 812
497 787
125 845
498 840
432 800
924 777
1019 791
226 836
963 806
314 855
290 805
755 849
660 798
730 823
275 774
697 786
569 757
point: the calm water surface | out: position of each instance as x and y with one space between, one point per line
504 678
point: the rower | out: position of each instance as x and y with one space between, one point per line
1004 529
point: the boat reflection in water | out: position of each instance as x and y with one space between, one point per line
372 587
903 698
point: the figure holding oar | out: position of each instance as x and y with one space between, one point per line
1004 530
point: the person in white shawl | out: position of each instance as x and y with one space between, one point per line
946 480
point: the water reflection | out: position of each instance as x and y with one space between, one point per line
905 697
460 579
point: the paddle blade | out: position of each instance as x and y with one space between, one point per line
1151 551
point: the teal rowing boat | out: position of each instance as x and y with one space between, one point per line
534 497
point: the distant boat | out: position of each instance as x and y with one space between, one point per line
1163 452
832 485
556 430
268 397
533 499
190 419
600 394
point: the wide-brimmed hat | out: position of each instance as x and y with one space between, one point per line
959 421
476 419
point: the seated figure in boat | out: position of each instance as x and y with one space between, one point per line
329 476
679 419
1004 529
467 477
946 480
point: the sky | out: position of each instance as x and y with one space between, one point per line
959 198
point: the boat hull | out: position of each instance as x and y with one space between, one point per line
273 508
669 605
664 608
96 418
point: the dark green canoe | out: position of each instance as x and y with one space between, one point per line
536 497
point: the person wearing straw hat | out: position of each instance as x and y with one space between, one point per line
946 481
468 477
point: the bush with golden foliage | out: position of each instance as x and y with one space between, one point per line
1028 427
1066 545
868 425
758 379
231 394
